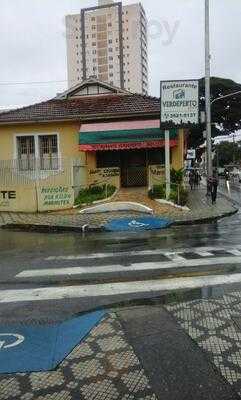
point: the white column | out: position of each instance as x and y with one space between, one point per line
167 163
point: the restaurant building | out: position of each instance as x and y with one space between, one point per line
91 134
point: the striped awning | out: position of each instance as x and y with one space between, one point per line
124 135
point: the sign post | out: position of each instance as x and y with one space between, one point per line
167 164
179 109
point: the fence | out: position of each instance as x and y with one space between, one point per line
33 187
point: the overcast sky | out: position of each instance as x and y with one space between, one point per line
33 45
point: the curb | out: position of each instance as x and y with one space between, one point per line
205 220
93 228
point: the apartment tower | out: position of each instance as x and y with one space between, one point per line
109 42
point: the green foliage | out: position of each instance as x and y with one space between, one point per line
94 193
181 198
225 113
227 153
177 176
157 192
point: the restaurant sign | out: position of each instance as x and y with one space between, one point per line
179 103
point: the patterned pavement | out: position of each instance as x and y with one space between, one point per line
215 325
200 209
103 367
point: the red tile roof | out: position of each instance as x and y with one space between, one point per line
84 108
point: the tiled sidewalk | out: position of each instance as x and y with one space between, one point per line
102 367
105 365
215 325
200 206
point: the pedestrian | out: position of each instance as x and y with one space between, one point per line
214 187
197 178
191 179
209 186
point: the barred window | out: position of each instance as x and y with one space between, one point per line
48 151
26 152
44 147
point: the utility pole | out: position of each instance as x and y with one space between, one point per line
207 90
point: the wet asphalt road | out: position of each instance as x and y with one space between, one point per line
22 251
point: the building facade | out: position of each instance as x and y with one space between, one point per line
109 42
93 134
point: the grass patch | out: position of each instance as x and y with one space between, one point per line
94 193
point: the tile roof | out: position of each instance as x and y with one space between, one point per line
84 108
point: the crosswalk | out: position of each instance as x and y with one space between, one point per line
138 273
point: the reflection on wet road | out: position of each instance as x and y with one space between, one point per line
24 245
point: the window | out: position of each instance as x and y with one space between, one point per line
109 24
93 43
48 152
26 152
37 151
93 19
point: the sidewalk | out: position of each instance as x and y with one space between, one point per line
179 351
201 211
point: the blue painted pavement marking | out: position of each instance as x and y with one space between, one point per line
42 348
138 224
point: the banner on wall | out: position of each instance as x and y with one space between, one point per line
55 197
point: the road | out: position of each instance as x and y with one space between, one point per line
57 274
175 345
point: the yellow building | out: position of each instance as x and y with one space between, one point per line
93 133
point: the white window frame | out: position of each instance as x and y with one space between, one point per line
36 145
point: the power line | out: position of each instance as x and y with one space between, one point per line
32 83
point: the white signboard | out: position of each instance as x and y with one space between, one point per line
191 154
180 102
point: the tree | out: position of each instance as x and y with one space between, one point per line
226 113
227 154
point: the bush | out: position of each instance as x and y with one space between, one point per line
183 196
94 193
157 192
177 176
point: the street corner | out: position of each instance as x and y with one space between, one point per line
41 347
137 224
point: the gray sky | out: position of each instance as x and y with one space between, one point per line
33 47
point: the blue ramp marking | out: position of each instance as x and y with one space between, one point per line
42 348
137 224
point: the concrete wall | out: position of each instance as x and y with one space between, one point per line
67 133
102 176
31 191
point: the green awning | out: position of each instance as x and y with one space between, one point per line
124 136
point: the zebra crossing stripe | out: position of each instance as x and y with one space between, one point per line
113 289
138 267
202 251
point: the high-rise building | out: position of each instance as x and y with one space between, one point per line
109 42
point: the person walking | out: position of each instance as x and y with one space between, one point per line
191 179
214 188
